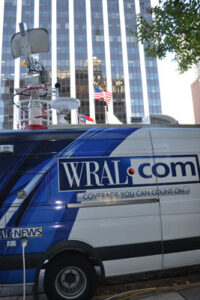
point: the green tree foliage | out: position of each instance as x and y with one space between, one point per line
173 28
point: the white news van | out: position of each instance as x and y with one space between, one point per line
123 199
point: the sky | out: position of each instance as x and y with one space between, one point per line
175 88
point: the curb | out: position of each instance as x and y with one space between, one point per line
155 291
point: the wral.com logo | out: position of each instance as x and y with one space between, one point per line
110 172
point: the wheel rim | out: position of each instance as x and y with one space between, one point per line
70 282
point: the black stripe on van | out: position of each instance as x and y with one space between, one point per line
148 249
128 251
11 262
180 245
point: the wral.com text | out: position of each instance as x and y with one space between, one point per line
126 172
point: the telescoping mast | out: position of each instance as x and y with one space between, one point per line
37 100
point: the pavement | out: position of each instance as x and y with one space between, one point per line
180 292
184 287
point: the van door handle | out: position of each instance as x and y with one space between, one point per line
112 202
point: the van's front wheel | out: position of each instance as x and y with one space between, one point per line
70 277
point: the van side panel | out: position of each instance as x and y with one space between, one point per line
26 208
127 237
32 204
177 153
129 194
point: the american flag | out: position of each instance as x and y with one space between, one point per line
99 94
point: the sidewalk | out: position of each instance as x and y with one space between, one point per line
184 292
178 292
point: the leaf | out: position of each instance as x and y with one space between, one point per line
173 26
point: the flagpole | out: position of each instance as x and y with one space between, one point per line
106 96
106 114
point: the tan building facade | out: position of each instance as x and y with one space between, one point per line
195 87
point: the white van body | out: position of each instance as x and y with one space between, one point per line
161 233
126 199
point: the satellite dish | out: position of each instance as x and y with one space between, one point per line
63 106
31 41
65 103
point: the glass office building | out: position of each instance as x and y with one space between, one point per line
90 44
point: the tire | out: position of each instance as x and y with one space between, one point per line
71 278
